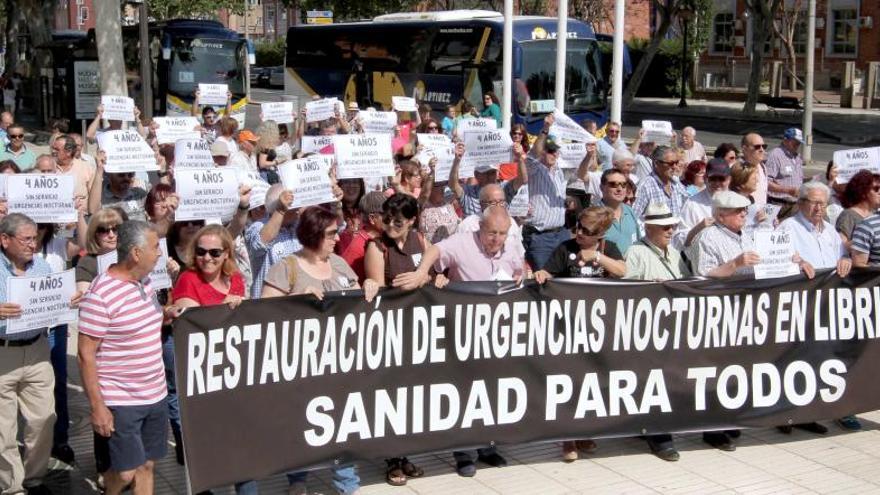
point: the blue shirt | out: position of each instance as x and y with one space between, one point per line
651 190
265 255
448 126
38 266
606 150
624 232
866 238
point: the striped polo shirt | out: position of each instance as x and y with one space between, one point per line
866 238
127 318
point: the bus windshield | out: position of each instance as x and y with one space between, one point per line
584 87
210 61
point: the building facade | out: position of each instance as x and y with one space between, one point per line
77 15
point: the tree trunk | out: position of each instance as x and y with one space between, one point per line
792 57
653 47
108 35
759 37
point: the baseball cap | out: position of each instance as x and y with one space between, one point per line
717 167
730 199
247 135
550 144
794 133
219 149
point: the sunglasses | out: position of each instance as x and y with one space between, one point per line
432 127
106 230
612 131
397 222
214 253
192 223
587 232
759 146
616 185
16 136
717 178
667 227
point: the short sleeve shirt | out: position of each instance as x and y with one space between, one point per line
342 277
847 221
191 286
565 262
866 238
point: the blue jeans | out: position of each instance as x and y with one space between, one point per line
168 361
58 357
345 481
539 246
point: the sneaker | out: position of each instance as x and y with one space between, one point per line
850 423
63 453
466 469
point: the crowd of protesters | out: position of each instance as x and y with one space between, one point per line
648 211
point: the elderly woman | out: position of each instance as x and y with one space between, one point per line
694 178
860 198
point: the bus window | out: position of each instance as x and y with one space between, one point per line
195 61
396 50
453 49
584 86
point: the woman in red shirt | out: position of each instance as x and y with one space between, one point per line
211 276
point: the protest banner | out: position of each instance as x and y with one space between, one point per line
363 155
378 122
206 193
850 162
338 380
281 112
172 129
519 205
467 125
213 94
565 128
404 104
118 108
258 186
44 301
42 197
126 152
309 180
776 251
571 154
159 277
657 131
315 144
323 109
192 154
485 149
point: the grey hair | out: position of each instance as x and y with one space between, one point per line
488 212
14 221
813 186
689 130
132 234
660 152
44 157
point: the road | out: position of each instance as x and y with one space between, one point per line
822 151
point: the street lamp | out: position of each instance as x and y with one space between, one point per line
684 15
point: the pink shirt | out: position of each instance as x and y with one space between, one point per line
463 255
127 318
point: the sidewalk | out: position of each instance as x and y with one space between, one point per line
765 462
846 126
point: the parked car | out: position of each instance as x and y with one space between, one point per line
276 77
255 74
263 78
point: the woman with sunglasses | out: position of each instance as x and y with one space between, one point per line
211 276
100 239
429 126
492 109
861 198
588 255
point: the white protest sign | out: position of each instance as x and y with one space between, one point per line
466 125
378 122
206 193
565 128
42 197
657 131
213 94
404 104
192 153
279 111
118 108
126 152
314 144
437 146
309 180
319 110
363 155
485 149
519 205
258 186
44 301
159 277
172 129
776 251
571 154
850 162
433 140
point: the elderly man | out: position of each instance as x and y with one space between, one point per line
121 191
609 144
660 186
692 148
272 237
17 150
785 172
120 360
472 256
697 212
80 154
493 195
64 151
469 194
26 380
754 152
244 158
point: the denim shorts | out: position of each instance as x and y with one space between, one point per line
140 434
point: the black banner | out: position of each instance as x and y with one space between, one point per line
285 384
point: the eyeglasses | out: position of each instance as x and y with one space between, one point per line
397 222
587 232
330 234
486 204
214 253
16 136
616 185
814 204
26 241
664 162
432 128
107 230
127 175
761 146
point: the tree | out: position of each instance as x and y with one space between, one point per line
666 10
192 9
599 13
787 26
33 18
761 13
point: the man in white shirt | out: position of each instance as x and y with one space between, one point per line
693 150
696 214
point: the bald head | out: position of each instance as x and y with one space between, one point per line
494 224
45 164
6 120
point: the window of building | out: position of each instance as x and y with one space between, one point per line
723 27
843 30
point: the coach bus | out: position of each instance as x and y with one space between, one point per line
183 54
441 57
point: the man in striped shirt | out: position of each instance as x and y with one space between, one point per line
120 359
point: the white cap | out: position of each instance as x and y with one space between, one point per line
730 199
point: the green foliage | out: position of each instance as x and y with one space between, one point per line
192 9
270 53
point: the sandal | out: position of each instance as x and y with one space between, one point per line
410 469
394 475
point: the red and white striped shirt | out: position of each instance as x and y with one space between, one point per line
127 318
